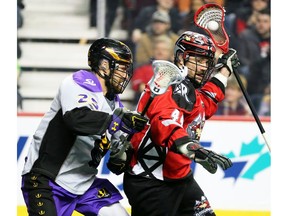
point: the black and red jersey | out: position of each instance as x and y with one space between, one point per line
174 115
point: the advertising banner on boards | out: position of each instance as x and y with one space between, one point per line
245 186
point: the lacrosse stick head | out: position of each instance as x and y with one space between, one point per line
165 74
213 14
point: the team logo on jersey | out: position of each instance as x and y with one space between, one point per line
90 82
182 90
195 128
184 95
115 126
103 193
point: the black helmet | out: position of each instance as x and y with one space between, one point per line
196 44
116 52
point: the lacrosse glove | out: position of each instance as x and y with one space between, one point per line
98 152
208 159
126 121
120 156
229 60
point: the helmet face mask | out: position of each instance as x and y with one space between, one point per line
195 48
121 77
117 54
200 69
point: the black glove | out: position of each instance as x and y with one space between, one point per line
119 160
98 152
127 121
229 60
208 159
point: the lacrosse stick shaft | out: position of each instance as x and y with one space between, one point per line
251 106
147 105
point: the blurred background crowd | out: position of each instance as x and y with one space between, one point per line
153 26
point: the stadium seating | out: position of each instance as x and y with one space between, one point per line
54 40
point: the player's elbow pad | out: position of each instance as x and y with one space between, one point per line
186 146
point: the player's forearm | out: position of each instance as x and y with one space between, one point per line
84 121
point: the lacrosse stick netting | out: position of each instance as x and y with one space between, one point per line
165 74
213 12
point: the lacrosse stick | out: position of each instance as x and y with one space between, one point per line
210 17
165 75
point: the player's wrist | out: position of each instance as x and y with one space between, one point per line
222 77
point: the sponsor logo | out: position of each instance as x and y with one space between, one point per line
249 161
90 82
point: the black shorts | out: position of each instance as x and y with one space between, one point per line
161 198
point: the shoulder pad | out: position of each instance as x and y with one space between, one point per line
184 95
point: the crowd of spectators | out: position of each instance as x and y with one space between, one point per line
159 26
248 25
162 49
234 103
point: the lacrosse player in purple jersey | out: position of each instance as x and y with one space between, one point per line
59 174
